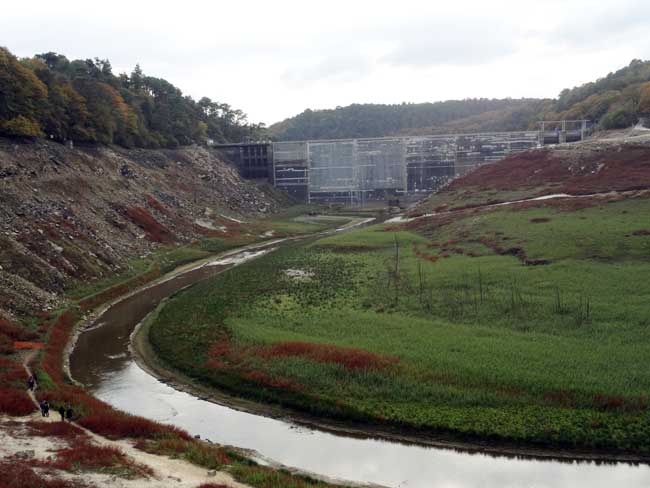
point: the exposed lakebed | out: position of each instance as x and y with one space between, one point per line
102 360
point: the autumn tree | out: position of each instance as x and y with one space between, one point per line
22 97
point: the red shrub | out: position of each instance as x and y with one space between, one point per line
154 230
350 358
59 336
16 333
28 345
16 475
14 401
116 425
155 204
88 456
63 430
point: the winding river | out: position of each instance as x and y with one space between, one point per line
103 361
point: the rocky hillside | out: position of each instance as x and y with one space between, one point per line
70 215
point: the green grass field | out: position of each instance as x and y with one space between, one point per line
441 326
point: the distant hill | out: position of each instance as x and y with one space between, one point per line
615 101
375 120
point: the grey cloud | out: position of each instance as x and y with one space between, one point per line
597 28
451 42
337 66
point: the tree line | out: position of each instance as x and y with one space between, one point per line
615 101
84 101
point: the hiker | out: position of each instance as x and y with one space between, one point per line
69 414
31 383
62 413
45 408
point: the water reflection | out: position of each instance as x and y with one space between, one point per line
364 460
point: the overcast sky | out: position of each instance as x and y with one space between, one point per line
273 59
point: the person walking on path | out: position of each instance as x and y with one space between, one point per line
69 414
61 411
31 383
45 408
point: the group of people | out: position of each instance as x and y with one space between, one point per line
66 412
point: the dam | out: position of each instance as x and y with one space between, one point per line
353 171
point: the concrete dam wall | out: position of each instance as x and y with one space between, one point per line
357 170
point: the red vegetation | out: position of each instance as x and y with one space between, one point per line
59 336
28 345
84 456
423 255
350 358
62 430
516 251
155 204
602 171
14 399
16 333
18 475
614 402
113 424
154 230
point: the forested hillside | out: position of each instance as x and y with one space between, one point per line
375 120
615 101
83 101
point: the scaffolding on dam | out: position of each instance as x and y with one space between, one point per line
354 171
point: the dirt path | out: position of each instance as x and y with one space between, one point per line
167 472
